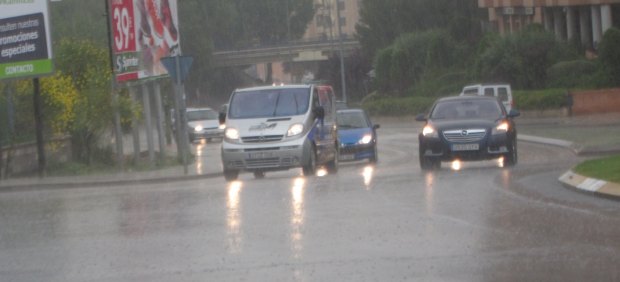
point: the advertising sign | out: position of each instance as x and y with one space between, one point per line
25 43
144 31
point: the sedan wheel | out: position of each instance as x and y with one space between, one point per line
511 158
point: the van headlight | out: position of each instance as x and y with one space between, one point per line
198 128
231 133
222 126
295 129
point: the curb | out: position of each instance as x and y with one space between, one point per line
590 185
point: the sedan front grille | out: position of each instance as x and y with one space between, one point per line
262 139
465 135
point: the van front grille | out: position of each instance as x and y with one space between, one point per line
262 139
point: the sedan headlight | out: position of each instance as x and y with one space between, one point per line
429 131
366 139
231 133
198 128
502 127
295 129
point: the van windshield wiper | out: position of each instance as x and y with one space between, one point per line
275 110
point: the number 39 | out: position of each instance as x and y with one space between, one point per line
121 34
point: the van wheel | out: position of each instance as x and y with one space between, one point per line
231 175
332 166
259 174
309 168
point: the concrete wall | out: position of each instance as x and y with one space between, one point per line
596 101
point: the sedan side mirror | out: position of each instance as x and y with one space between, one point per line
513 113
376 126
421 117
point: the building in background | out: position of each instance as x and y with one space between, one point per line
582 21
323 27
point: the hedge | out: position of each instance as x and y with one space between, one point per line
540 99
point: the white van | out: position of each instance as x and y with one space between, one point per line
502 92
278 128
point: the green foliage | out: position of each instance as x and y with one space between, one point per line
609 50
540 99
439 83
381 22
520 59
575 74
394 106
402 65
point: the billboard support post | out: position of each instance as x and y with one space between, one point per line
118 132
38 120
180 110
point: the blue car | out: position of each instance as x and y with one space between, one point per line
357 136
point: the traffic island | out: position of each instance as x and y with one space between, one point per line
601 176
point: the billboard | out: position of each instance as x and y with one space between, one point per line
144 31
25 43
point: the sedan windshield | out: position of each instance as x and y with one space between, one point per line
352 120
270 103
201 115
470 109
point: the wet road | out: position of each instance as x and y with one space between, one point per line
391 222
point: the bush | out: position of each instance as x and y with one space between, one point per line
397 106
573 74
540 99
610 55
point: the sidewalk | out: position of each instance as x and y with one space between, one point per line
207 164
591 135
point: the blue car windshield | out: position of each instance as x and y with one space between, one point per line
459 109
269 103
352 120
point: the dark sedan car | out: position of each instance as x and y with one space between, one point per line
357 136
467 128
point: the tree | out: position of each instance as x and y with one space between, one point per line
382 21
609 51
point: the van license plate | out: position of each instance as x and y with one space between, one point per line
465 147
259 155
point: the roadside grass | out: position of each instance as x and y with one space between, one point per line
605 169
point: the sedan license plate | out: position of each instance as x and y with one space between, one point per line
465 147
260 155
347 157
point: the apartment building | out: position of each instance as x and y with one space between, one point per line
572 20
325 22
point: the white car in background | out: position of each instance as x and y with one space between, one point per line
203 123
502 92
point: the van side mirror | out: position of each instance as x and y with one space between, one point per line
222 117
319 112
376 126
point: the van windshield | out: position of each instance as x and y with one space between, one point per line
269 103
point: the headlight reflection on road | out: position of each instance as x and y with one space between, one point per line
367 174
428 191
321 172
233 217
199 160
456 165
297 216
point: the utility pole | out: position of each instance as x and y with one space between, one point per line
342 75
